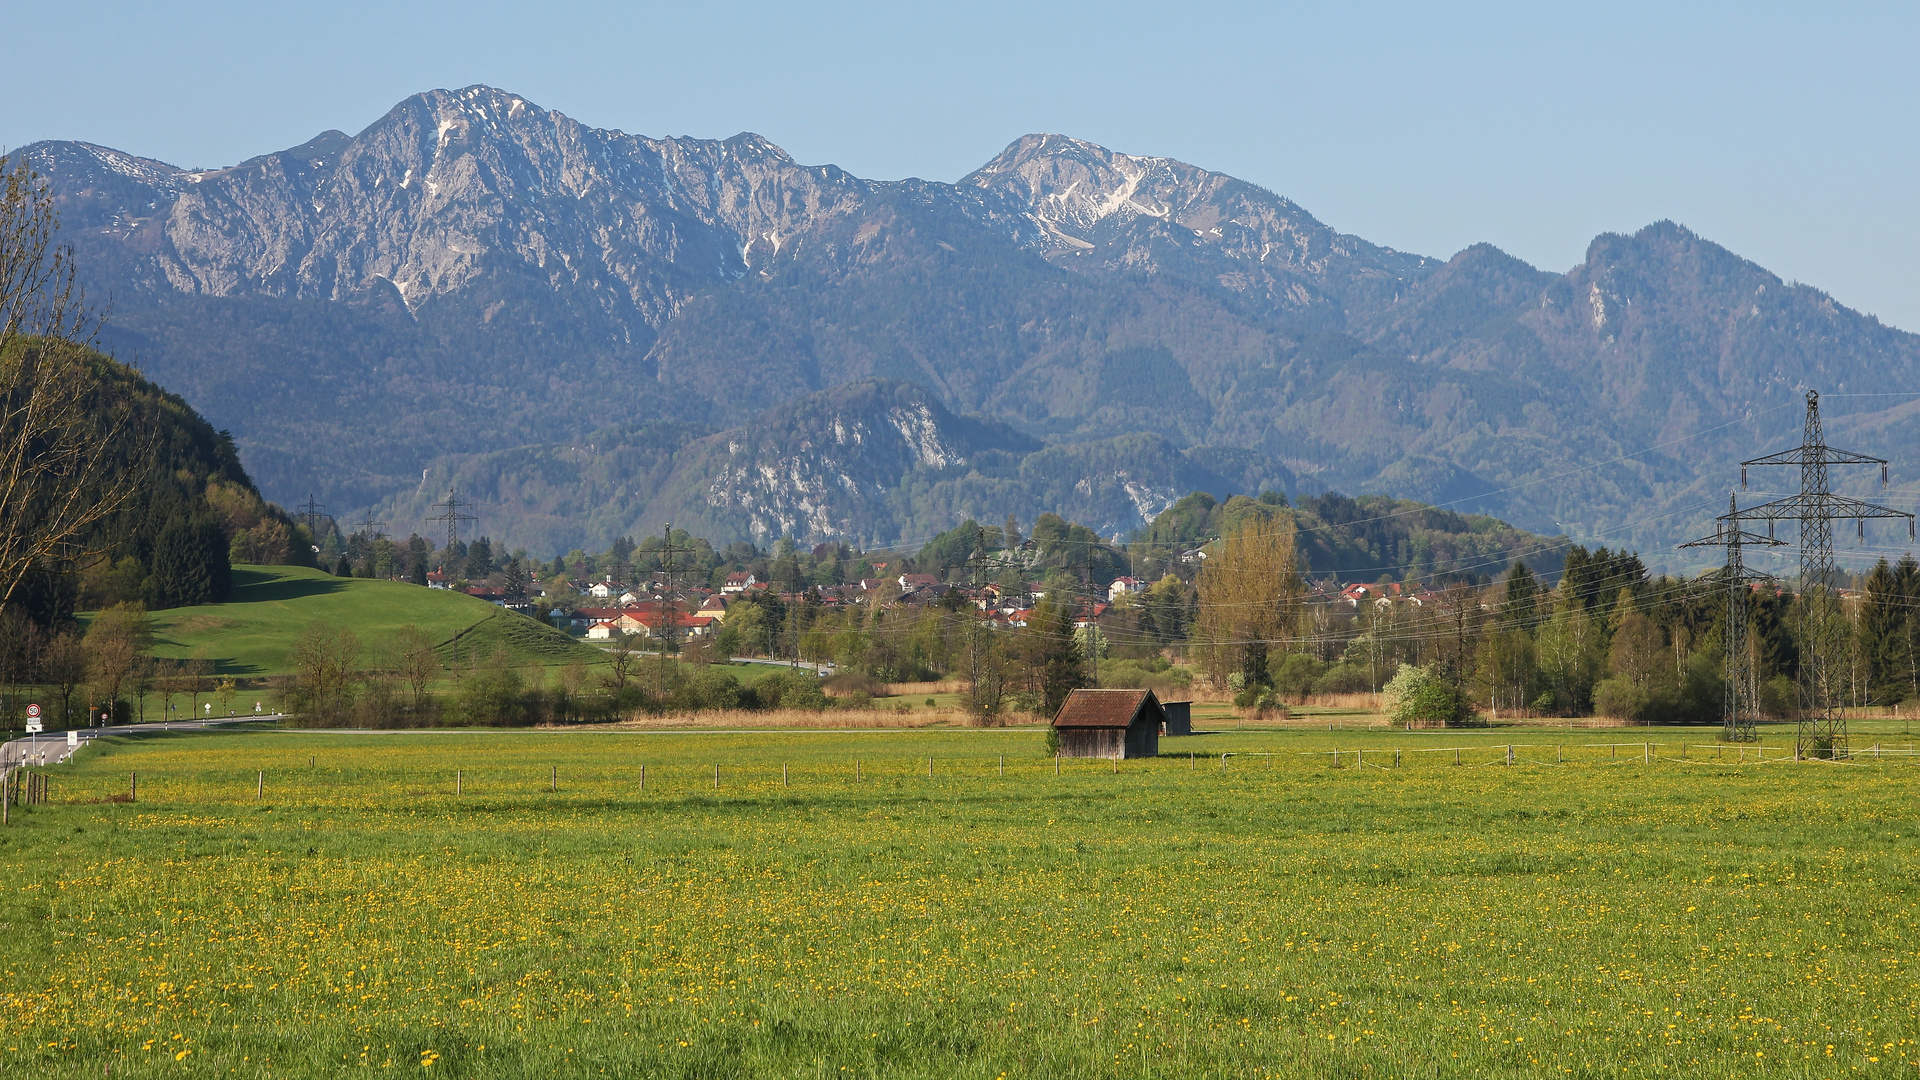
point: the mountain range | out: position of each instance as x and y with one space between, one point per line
592 332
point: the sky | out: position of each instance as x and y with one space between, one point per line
1785 132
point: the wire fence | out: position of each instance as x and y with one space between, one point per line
321 783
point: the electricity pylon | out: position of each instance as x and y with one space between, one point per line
1742 709
1822 730
313 511
452 516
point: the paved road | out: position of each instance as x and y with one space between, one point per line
50 748
817 669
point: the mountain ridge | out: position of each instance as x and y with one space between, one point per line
472 274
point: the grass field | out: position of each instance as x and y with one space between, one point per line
1620 913
252 633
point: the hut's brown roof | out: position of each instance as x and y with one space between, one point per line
1102 708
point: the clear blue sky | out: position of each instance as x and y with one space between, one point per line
1786 132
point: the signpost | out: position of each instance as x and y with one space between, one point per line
33 720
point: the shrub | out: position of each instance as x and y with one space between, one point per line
791 689
1344 679
1621 699
710 688
1418 696
1294 674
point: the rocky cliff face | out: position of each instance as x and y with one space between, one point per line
874 461
473 277
1091 207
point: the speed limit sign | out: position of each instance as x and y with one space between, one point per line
33 718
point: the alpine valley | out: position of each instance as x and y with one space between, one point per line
593 332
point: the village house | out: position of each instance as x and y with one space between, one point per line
1122 586
739 582
605 590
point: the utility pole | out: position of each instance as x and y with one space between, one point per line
1741 711
974 563
1822 730
669 608
1093 623
373 529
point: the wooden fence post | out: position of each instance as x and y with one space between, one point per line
456 781
643 778
1509 753
716 777
929 768
1003 765
133 786
783 775
554 783
1456 755
260 786
1056 763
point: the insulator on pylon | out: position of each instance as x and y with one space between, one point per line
1743 478
1769 528
1862 522
1909 530
1883 476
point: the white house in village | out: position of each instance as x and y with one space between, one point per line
1122 586
605 590
739 582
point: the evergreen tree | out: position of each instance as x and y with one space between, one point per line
479 559
190 563
1519 608
1058 661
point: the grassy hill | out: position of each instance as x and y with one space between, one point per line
253 632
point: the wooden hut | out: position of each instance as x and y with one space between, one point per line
1179 718
1110 724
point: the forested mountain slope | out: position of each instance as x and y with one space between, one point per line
475 275
185 508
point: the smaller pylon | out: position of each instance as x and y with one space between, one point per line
1741 712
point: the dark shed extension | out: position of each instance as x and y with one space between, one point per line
1110 724
1179 718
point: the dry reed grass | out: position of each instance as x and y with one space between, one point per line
923 689
828 719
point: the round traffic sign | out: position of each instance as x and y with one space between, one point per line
33 712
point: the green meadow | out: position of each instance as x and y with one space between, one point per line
253 633
943 903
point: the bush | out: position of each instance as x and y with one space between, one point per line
1418 696
710 689
791 689
1344 679
1621 699
1294 674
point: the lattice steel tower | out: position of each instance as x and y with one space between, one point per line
1822 731
1742 709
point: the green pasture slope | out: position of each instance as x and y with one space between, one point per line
252 634
754 910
